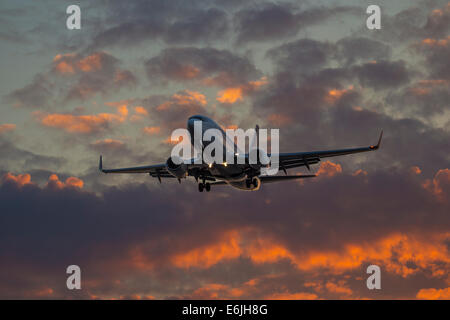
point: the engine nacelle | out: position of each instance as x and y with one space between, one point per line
176 167
252 184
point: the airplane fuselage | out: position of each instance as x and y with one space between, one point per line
236 175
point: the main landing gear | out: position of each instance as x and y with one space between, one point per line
251 183
205 186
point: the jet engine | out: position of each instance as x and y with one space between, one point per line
176 167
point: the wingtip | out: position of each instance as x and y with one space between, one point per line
100 163
375 147
379 139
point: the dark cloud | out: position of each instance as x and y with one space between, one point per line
354 49
36 94
136 238
18 159
206 26
272 21
301 56
173 24
73 76
383 74
68 226
266 22
216 67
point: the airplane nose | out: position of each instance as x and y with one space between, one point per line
190 124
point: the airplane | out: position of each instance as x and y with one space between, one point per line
244 176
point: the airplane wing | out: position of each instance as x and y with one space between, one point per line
269 179
157 170
298 159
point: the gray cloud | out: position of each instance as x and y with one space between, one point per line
218 67
272 21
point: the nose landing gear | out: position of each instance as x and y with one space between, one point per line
204 186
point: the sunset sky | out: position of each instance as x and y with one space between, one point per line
138 69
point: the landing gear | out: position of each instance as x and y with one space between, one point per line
251 183
205 186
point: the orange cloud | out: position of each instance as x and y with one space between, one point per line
436 42
278 119
64 67
185 98
335 94
206 256
70 63
53 181
338 288
415 170
189 97
7 127
20 180
230 95
234 94
113 143
436 186
292 296
434 294
91 63
188 72
394 252
329 169
84 123
152 130
79 124
140 110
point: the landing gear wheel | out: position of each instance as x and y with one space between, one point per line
200 187
208 187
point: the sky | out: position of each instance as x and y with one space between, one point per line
136 70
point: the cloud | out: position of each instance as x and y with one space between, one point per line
84 124
205 26
151 130
234 94
20 180
16 158
275 21
329 169
302 56
173 27
434 294
79 124
73 76
160 239
383 74
210 65
353 49
71 182
5 127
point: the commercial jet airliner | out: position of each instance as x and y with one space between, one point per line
243 175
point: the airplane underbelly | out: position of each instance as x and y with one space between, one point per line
243 185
